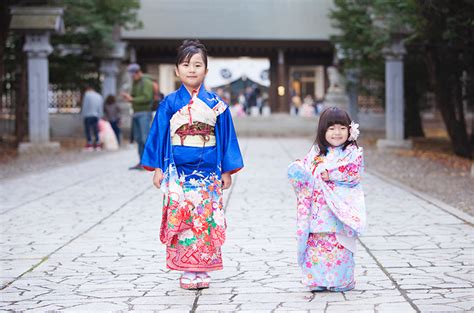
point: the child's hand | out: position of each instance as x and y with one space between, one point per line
157 178
226 180
325 175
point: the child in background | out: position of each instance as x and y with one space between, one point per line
108 141
112 114
193 149
330 204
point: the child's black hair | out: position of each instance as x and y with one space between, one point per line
189 48
109 100
329 117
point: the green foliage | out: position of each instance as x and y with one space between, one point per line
365 27
439 36
92 22
90 27
356 40
450 23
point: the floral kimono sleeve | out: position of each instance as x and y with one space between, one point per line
303 183
343 192
349 170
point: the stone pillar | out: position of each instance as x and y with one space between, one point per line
272 90
37 48
133 55
320 83
353 93
37 23
109 68
166 78
394 97
282 87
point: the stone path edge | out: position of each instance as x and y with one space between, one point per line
439 204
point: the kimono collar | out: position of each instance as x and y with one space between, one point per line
334 149
206 97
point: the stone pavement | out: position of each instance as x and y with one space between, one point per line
84 237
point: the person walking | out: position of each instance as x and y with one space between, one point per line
141 98
330 204
91 112
112 114
193 150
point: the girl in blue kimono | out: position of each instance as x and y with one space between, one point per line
193 150
330 204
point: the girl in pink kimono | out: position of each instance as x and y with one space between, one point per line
330 204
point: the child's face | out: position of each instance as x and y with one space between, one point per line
337 135
193 72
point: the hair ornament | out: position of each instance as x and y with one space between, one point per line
353 131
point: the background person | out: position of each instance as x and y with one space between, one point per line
141 98
113 114
91 112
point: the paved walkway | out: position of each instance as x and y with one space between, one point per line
85 238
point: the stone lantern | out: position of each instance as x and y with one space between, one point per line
110 62
37 23
109 68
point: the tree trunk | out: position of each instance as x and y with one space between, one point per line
413 124
461 142
5 18
21 110
447 87
414 88
469 97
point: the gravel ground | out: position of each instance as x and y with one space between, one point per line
429 167
450 185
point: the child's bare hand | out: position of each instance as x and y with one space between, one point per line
157 178
226 180
325 175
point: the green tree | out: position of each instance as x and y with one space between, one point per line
361 47
440 52
91 27
447 32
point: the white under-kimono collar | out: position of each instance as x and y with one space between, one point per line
195 111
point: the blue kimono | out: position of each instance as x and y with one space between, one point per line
193 223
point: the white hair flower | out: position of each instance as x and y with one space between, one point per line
354 131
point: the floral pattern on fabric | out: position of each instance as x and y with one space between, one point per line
334 207
220 107
194 222
327 262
